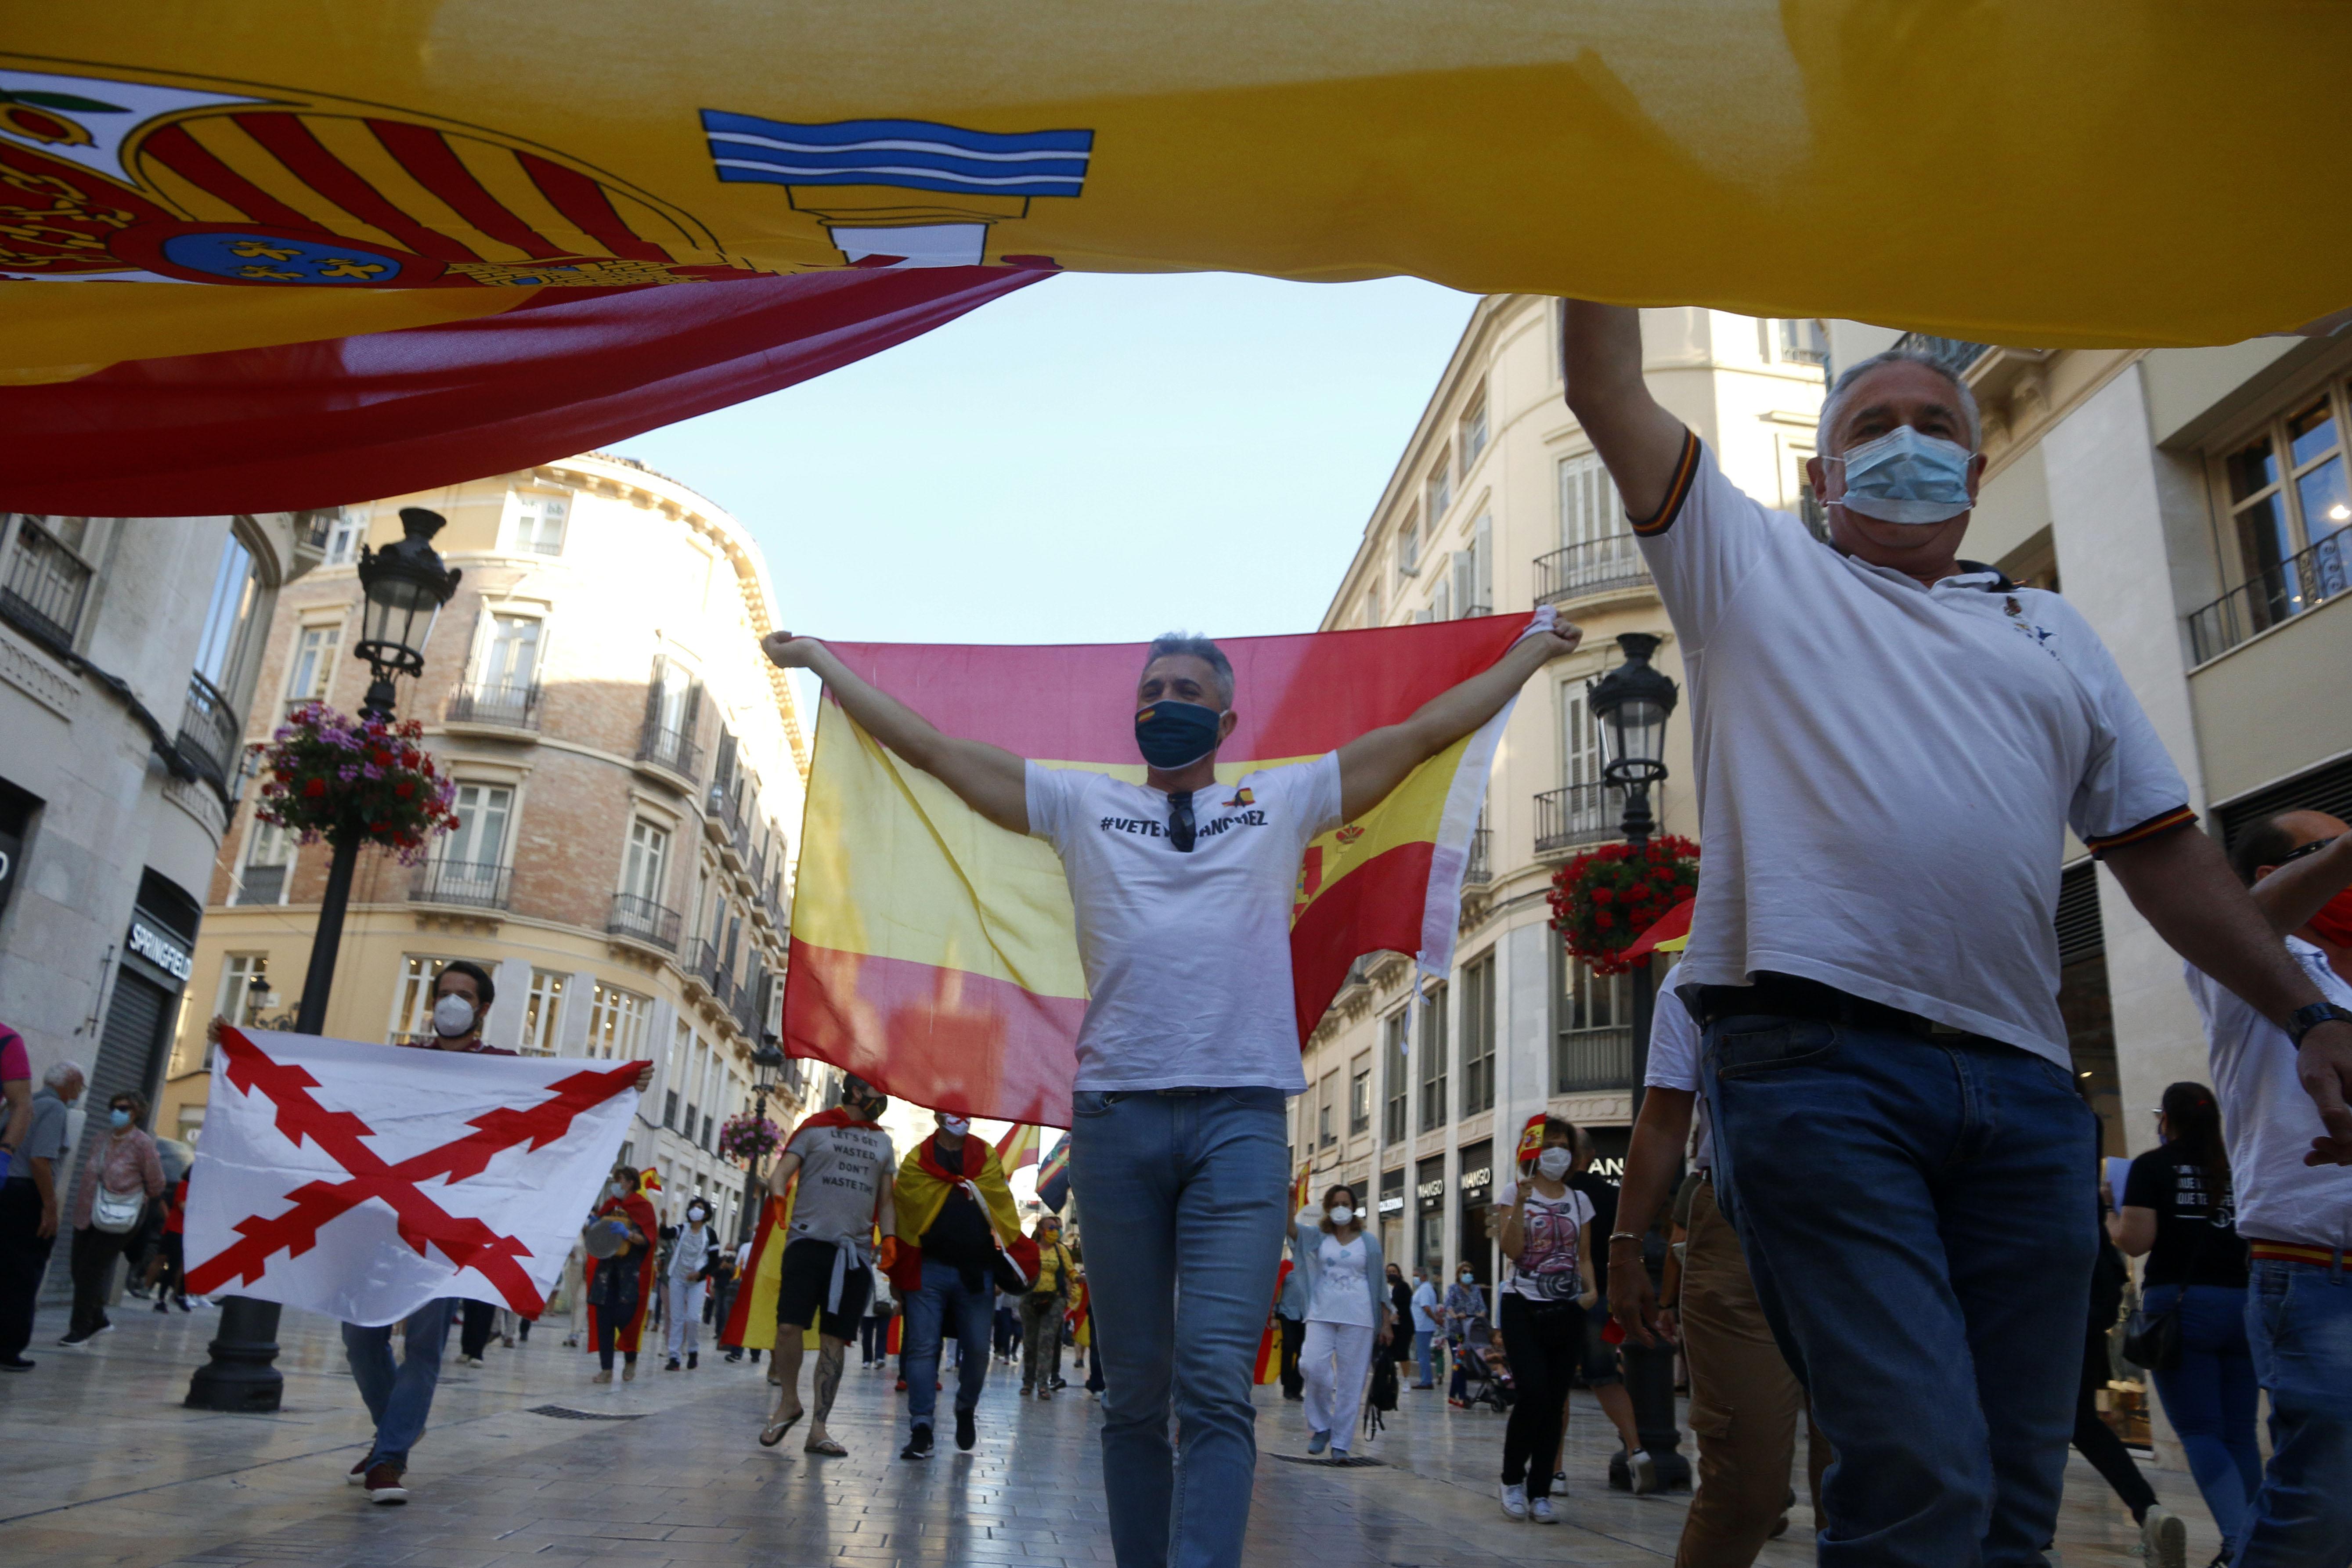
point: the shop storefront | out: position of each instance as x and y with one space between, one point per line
1391 1213
1478 1187
1429 1213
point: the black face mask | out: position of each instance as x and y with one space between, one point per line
1176 734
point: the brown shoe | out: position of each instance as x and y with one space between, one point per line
1043 1394
383 1484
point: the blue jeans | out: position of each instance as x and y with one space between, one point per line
1422 1339
1185 1197
399 1397
1917 1214
2299 1322
2209 1398
943 1303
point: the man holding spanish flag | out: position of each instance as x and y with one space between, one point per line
1183 889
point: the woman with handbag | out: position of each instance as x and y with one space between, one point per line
123 1172
2190 1330
1346 1314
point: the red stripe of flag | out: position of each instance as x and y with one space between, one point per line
583 201
431 162
293 144
184 156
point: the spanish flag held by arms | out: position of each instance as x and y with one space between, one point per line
936 954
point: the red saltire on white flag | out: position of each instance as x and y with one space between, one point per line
363 1181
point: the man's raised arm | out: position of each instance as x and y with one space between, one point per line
1377 760
989 779
1600 354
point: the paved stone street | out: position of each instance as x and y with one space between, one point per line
104 1467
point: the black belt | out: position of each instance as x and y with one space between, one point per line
1794 996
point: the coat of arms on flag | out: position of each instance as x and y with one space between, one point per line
363 1180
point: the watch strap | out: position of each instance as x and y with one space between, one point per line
2303 1020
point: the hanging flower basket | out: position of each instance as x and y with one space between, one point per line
749 1138
1602 901
354 781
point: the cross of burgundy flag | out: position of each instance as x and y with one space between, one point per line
363 1180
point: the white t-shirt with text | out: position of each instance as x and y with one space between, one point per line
1342 1295
1887 771
1552 1236
2267 1121
1186 955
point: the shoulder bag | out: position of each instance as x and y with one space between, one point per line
115 1213
2152 1340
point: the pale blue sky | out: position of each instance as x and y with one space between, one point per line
1093 458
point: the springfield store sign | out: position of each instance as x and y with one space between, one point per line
152 944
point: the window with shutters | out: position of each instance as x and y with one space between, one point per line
510 658
1408 547
1441 600
1360 1094
345 531
412 1009
1433 1056
244 992
311 672
1592 1035
1474 430
536 521
269 865
1438 494
1397 1071
542 1010
672 705
1478 1035
1476 595
480 840
617 1024
644 867
1327 1110
2287 538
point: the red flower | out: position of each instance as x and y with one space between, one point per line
404 789
1603 921
314 788
1603 896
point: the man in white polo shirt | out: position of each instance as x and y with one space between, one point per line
2294 1202
1890 747
1183 892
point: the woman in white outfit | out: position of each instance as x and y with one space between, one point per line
692 1257
1347 1313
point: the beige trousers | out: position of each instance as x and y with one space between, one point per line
1744 1403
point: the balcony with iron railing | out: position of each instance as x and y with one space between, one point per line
1604 565
508 707
745 1007
208 731
1575 815
466 884
44 586
1479 868
2273 596
642 920
662 747
702 967
1588 1059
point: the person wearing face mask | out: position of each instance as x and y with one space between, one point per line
2292 1196
957 1226
1465 1300
1347 1314
1182 885
1544 1227
121 1175
838 1164
1875 703
693 1262
619 1289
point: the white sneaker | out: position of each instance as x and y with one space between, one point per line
1540 1510
1643 1471
1515 1500
2164 1538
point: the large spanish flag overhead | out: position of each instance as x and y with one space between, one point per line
2008 170
936 954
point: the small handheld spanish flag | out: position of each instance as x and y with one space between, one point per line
1531 1138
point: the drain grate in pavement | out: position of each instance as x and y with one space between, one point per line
1352 1462
562 1414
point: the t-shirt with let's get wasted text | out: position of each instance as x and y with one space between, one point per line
1187 955
842 1167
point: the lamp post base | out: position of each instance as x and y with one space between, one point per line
241 1377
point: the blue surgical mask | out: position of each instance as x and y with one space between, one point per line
1904 476
118 1118
1175 734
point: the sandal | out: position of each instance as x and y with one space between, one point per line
827 1447
773 1432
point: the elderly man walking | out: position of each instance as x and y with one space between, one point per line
1890 746
29 1208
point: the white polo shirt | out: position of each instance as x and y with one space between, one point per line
1187 955
1885 771
2267 1121
1673 1064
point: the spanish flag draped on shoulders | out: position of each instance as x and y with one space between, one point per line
987 1237
843 1167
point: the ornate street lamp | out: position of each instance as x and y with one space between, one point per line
1633 703
405 585
766 1070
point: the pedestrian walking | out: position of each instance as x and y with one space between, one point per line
618 1289
1875 702
172 1279
1745 1404
955 1219
1399 1348
1042 1309
722 1302
693 1263
120 1177
576 1273
1188 1048
29 1207
1291 1321
1005 1327
1347 1316
1545 1228
15 1095
874 1328
1424 1304
844 1196
2178 1214
2163 1537
2289 1148
1466 1304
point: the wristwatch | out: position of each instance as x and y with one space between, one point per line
2303 1020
